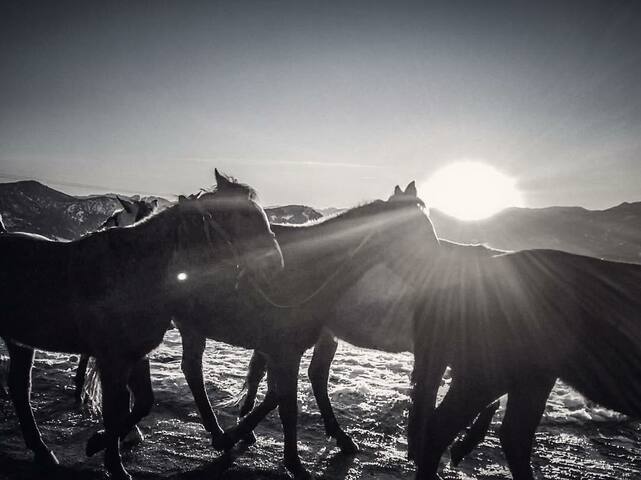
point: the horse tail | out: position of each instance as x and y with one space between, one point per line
606 366
235 399
473 435
610 377
247 395
92 389
4 375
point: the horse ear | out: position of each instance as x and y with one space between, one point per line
397 190
125 204
411 189
221 180
154 203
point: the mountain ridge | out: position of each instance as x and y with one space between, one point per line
613 233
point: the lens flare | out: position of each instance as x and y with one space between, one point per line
471 190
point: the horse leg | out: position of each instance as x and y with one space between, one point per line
255 373
115 410
457 410
192 367
427 375
474 435
139 384
79 379
286 378
282 378
318 373
21 361
525 406
431 354
249 422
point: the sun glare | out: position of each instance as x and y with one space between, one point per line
470 190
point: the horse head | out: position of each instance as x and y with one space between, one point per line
231 215
132 211
402 235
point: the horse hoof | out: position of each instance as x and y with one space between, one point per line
456 454
46 458
346 444
297 470
96 443
119 474
222 443
249 439
411 454
133 438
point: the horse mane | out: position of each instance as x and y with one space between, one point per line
232 185
477 249
328 219
140 229
352 215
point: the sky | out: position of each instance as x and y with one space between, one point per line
323 103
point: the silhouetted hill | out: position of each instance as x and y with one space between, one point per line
296 214
614 233
30 206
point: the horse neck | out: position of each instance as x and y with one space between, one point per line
318 250
148 245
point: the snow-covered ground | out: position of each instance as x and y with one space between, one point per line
369 390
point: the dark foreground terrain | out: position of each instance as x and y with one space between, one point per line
370 392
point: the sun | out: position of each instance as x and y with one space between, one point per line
471 190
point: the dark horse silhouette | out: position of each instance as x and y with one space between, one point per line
132 211
514 323
322 261
378 315
107 295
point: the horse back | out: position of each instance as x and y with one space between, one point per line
604 362
536 309
27 257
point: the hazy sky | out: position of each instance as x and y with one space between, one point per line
323 103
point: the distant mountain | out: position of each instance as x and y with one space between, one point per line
614 233
296 214
30 206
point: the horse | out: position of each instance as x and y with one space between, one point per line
513 324
322 260
132 211
377 313
106 295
